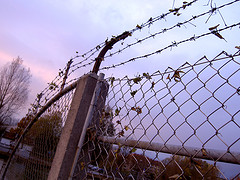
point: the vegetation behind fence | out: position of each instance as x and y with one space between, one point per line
179 123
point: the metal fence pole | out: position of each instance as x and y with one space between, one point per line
67 146
202 153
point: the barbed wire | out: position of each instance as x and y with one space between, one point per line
186 65
152 115
162 16
52 93
150 22
139 27
174 44
178 25
54 86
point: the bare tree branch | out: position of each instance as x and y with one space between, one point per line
14 89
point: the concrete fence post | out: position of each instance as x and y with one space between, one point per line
68 143
83 159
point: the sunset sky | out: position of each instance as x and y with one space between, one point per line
47 33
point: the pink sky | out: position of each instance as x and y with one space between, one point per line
46 34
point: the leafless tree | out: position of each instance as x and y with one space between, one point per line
14 89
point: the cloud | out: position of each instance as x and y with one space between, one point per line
47 33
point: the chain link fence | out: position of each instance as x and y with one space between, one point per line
35 153
179 124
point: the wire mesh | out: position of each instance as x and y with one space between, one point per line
35 154
153 126
179 124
